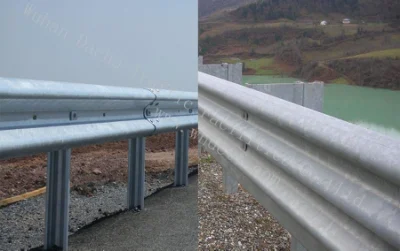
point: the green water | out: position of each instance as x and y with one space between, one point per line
376 109
365 106
262 79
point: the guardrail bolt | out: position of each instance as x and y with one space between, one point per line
245 116
73 116
148 112
244 146
34 117
190 110
104 114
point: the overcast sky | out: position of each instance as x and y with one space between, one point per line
134 43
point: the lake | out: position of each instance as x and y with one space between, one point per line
376 109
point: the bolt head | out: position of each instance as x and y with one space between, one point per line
73 116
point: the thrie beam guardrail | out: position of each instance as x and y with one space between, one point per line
53 117
333 185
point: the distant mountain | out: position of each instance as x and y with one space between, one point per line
207 7
374 10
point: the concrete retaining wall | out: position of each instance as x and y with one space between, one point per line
310 95
231 72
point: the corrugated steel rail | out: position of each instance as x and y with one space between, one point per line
333 185
53 117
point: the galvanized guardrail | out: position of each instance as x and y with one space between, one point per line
53 117
333 185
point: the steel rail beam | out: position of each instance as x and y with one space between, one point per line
42 116
332 184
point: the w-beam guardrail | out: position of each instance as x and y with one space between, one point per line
333 185
53 117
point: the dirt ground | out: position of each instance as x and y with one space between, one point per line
91 165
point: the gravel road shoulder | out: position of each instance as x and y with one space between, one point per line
23 222
234 222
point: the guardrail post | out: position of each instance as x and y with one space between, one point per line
57 199
181 157
230 183
296 245
136 173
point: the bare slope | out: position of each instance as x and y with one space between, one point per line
292 43
207 7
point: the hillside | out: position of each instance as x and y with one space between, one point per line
296 45
368 10
207 7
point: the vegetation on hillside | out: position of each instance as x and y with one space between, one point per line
207 7
382 10
286 45
388 54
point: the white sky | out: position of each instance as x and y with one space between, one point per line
151 44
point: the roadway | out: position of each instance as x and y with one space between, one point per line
168 222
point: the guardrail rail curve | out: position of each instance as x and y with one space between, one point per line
332 184
43 116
